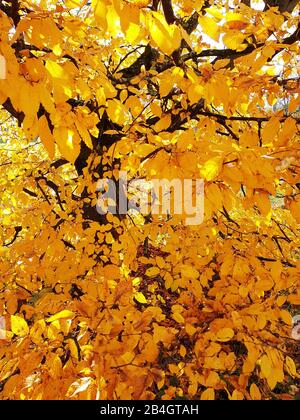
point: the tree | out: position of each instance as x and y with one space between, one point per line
144 306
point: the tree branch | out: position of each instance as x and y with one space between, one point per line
168 11
17 230
233 54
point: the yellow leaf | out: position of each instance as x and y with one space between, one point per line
193 388
208 395
190 329
128 357
210 27
185 140
182 351
160 262
212 380
109 239
288 131
140 297
215 12
100 12
136 281
111 272
166 37
255 392
84 134
19 326
186 37
175 285
237 396
60 315
232 16
195 93
211 169
113 20
130 22
143 150
234 40
236 21
265 366
264 285
295 210
263 203
46 136
168 280
72 4
225 334
56 70
163 124
281 300
29 100
291 367
165 87
68 142
73 348
152 272
286 317
294 299
270 130
189 272
178 318
117 111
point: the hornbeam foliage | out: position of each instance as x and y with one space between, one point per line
142 307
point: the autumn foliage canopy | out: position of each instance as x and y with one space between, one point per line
145 306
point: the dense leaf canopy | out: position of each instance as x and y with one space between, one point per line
145 306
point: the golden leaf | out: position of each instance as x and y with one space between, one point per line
19 326
61 315
208 395
140 297
225 334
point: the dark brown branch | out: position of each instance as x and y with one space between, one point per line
17 230
15 8
226 126
226 214
126 56
147 59
155 5
68 244
221 117
31 193
260 258
54 187
153 153
191 24
7 105
282 231
168 11
58 163
276 240
233 54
